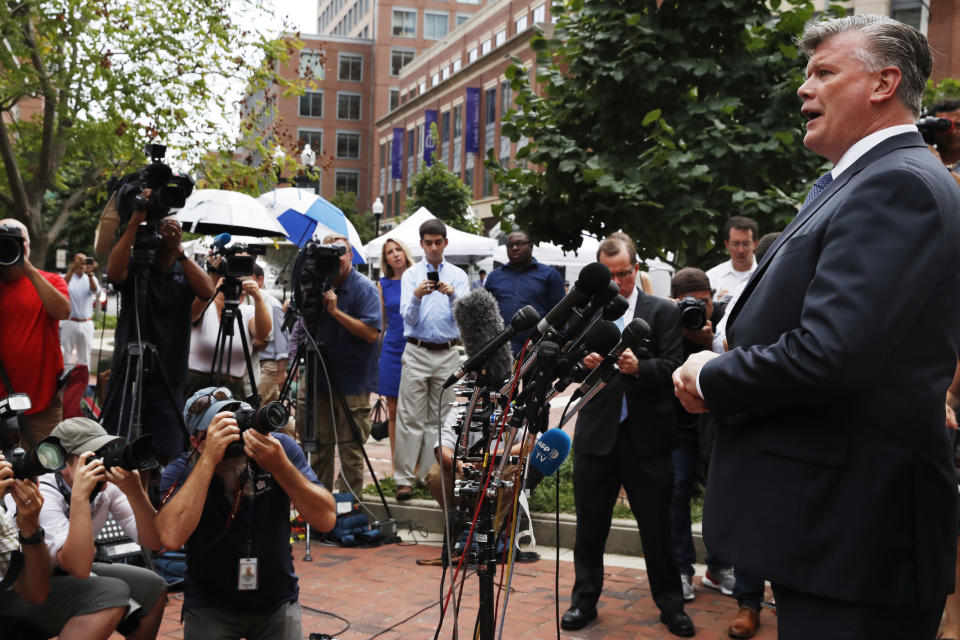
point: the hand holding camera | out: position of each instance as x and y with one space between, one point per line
88 472
221 433
264 449
127 481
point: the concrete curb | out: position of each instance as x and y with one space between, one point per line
623 539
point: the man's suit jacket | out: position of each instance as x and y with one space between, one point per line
650 406
831 471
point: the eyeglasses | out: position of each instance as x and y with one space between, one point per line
741 244
519 243
622 274
201 404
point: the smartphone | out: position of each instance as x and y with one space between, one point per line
433 276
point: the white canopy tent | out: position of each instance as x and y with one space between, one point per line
463 248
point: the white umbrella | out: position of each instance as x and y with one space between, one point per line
214 211
305 216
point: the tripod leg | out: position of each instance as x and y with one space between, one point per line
254 397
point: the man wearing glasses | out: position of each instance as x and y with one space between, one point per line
739 239
523 281
230 497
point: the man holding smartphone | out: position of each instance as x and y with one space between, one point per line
428 290
76 333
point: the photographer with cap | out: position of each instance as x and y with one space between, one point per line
88 599
229 499
33 303
170 282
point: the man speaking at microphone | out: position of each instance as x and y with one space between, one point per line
832 475
624 437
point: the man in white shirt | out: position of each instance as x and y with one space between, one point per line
77 331
739 239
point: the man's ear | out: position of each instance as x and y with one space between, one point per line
886 85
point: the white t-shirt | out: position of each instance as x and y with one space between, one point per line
203 341
81 298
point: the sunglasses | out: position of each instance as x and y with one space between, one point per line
201 404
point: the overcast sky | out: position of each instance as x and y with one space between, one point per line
302 13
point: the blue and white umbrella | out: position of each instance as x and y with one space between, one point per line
305 216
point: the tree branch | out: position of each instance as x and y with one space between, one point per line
18 201
78 194
45 160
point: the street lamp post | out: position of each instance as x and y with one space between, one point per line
377 209
308 158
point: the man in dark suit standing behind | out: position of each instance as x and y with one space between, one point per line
831 474
624 437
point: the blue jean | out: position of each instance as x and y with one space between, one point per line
685 459
748 590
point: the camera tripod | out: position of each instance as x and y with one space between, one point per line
232 289
316 360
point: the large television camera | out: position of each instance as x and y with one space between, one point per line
237 260
11 245
46 457
316 265
168 189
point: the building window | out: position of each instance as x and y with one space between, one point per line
472 55
445 126
434 79
485 47
462 17
908 12
520 25
469 1
445 73
504 97
501 37
394 98
540 14
422 88
348 145
487 182
348 106
405 23
457 65
311 65
351 67
490 104
311 104
435 24
347 182
457 121
313 137
399 58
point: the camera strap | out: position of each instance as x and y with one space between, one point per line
5 379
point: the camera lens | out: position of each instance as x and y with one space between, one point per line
10 253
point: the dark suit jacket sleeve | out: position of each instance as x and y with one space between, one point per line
664 321
876 263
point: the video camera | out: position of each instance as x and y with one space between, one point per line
315 266
930 126
48 456
168 189
235 265
11 245
693 313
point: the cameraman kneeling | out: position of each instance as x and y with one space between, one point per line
89 600
230 499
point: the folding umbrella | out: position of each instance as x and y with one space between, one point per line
305 216
214 211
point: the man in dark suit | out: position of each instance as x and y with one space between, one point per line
624 437
831 474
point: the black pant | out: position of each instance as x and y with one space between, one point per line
802 616
649 486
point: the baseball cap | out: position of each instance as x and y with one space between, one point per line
205 403
689 279
82 434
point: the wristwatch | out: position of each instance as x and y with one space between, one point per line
36 538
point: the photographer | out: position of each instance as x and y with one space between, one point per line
947 143
20 535
164 288
256 321
96 597
77 331
349 327
233 507
33 302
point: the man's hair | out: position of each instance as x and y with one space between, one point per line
433 227
763 244
384 265
333 237
257 270
950 104
890 43
617 242
743 223
483 272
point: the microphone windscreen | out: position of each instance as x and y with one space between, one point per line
635 332
551 449
603 336
222 240
615 308
593 278
478 316
525 318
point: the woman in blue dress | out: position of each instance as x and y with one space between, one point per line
395 258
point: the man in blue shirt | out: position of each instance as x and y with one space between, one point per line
428 290
233 506
524 281
349 329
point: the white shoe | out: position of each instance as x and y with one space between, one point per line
687 582
723 581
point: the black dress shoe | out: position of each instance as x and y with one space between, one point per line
576 618
678 623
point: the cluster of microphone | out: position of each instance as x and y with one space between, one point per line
583 322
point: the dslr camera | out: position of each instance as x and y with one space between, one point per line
272 416
693 313
11 245
46 457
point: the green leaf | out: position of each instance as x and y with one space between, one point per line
650 117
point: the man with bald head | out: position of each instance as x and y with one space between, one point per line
33 302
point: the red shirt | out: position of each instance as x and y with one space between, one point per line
30 340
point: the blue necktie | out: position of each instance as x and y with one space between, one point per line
623 400
818 187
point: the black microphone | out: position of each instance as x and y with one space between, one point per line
632 336
599 338
583 318
592 280
479 320
615 309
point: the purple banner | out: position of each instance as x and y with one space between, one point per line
473 120
429 143
396 154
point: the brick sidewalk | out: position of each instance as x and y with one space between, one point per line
378 588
